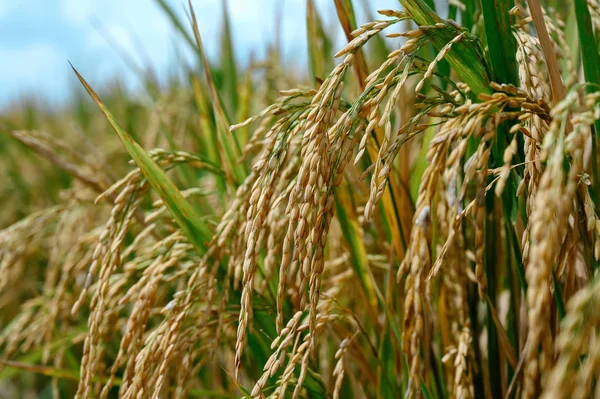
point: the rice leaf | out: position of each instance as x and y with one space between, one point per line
469 14
189 220
465 57
501 42
351 231
591 70
48 371
386 368
209 137
556 82
503 339
425 391
227 142
558 297
319 45
172 15
228 60
345 13
398 222
589 46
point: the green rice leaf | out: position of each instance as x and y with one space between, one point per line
319 45
501 43
425 391
185 215
168 10
465 57
351 231
589 49
591 70
468 16
227 144
228 60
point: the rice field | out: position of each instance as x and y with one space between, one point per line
414 215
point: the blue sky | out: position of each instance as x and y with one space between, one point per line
38 37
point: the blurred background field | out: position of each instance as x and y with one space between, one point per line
137 58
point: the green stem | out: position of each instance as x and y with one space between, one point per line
591 69
558 297
490 270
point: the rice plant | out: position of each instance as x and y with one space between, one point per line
416 218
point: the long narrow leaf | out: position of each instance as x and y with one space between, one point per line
464 57
591 70
500 40
319 45
351 231
229 146
176 22
228 61
186 216
558 87
345 14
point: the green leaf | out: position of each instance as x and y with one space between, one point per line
425 391
230 76
315 385
501 42
345 13
502 50
589 50
351 231
591 70
319 45
558 297
176 22
34 356
227 144
73 375
465 56
386 368
468 16
185 215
